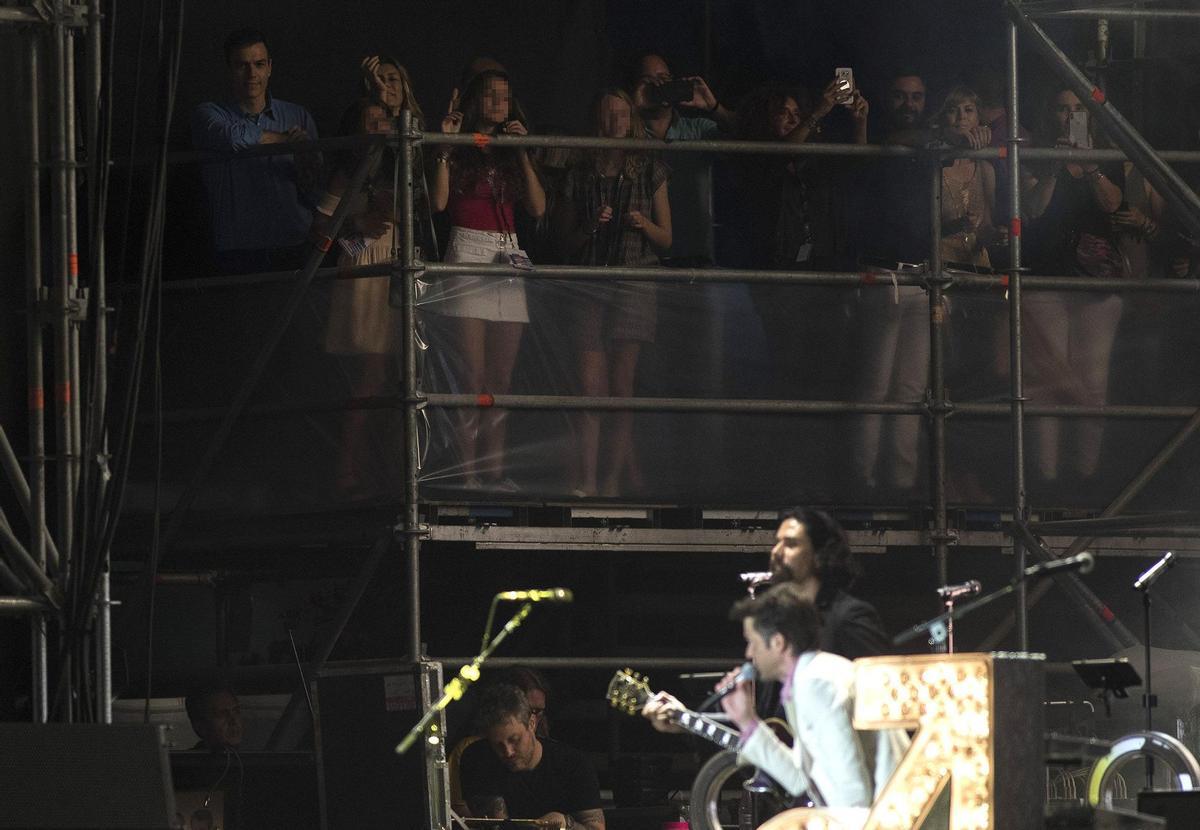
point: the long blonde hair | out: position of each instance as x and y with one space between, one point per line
635 161
410 99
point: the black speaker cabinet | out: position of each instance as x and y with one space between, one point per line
55 776
363 710
1180 809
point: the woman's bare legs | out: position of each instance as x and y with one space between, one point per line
503 341
623 357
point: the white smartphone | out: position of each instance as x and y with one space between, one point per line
1077 127
844 78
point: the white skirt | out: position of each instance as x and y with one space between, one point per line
500 299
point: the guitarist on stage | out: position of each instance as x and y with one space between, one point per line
830 761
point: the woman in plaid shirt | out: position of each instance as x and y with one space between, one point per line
613 211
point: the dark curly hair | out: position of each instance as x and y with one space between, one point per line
836 566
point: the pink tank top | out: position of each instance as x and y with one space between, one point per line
479 210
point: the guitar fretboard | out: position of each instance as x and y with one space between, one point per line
722 736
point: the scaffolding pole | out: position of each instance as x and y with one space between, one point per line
39 536
938 405
1016 372
411 525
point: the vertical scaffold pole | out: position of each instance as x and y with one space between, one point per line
937 377
412 517
37 397
99 392
60 296
1020 508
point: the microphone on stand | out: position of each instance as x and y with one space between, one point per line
1156 570
962 589
539 595
1083 562
747 672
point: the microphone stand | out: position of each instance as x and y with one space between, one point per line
1143 583
467 675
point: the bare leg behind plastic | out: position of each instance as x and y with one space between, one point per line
622 463
470 343
593 382
592 373
500 357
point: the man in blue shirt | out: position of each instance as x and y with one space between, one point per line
691 173
260 207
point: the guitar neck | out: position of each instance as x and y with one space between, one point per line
719 734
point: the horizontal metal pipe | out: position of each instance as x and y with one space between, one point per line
762 148
1122 14
19 606
737 405
853 279
1110 524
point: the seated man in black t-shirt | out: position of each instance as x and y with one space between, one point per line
513 773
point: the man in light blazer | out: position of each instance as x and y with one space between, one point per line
830 761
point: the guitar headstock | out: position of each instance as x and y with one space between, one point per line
628 691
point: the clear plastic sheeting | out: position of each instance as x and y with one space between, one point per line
325 426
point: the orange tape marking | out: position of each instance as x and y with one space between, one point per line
1014 226
63 392
485 399
37 399
73 264
1097 95
482 140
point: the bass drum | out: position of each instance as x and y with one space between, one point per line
726 793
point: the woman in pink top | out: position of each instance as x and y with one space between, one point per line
486 316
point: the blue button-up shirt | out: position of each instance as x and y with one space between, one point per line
254 202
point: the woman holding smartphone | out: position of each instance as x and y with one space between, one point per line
1071 334
485 317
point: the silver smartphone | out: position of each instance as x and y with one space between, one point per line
1077 130
844 78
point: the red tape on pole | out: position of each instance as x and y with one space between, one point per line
1014 226
869 278
482 140
63 391
485 399
37 399
1097 95
73 264
1003 151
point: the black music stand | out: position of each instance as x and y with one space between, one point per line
1110 677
